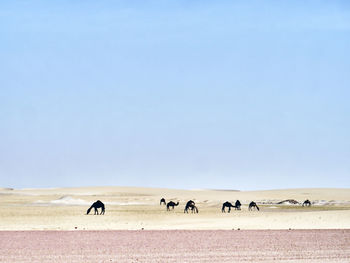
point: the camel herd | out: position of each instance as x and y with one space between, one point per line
190 206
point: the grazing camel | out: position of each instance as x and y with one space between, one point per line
194 209
238 205
307 203
191 205
162 201
172 205
253 205
97 204
227 204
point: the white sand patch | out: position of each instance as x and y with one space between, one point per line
289 202
68 200
331 202
64 200
126 203
259 202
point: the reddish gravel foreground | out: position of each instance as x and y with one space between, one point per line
176 246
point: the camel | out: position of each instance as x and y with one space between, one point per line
194 209
307 203
97 204
162 201
253 205
238 205
227 204
191 205
171 204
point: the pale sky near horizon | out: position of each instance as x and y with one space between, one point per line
181 94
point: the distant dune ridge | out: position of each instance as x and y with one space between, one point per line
137 208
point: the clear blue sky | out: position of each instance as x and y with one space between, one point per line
183 94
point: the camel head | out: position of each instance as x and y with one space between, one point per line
88 211
177 204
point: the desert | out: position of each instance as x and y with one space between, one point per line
135 208
51 225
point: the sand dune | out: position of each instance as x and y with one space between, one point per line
137 208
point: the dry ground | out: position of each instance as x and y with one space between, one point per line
136 208
312 246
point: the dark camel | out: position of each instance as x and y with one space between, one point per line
253 205
191 205
172 205
307 203
162 201
227 204
194 209
238 205
97 204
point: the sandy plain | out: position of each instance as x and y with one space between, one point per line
135 208
302 246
